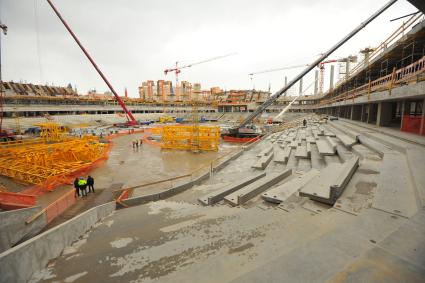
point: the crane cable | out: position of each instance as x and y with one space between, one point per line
37 31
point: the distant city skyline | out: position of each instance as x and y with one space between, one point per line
134 41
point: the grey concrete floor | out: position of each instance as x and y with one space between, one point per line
179 240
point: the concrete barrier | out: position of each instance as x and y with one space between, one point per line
20 262
13 228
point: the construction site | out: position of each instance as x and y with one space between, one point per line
322 180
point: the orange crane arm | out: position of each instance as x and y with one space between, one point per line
177 69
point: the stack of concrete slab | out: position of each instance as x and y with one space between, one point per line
219 194
283 192
325 148
331 181
263 162
245 194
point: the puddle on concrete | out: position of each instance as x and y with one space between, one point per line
364 188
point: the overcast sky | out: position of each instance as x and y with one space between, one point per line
134 41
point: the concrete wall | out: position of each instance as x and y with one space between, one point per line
13 228
19 263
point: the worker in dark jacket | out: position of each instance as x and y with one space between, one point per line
90 183
77 187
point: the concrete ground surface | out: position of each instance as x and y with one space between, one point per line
366 236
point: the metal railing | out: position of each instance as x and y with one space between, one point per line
403 76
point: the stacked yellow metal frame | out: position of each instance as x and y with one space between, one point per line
51 131
34 161
190 137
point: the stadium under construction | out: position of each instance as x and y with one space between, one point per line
215 185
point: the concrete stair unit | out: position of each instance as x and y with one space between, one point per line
325 148
283 192
263 162
245 194
329 184
283 155
219 194
301 152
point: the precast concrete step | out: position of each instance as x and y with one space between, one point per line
283 192
243 195
263 162
331 142
301 152
329 134
346 140
293 144
348 169
377 147
219 194
308 147
324 148
265 151
311 139
319 187
283 155
395 193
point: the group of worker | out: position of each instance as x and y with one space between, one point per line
137 143
81 185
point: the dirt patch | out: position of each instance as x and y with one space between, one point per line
364 188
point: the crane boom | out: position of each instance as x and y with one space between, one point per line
196 63
276 95
278 69
130 117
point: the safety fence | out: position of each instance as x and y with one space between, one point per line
412 124
56 208
10 201
413 73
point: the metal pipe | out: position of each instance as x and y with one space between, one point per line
121 103
275 96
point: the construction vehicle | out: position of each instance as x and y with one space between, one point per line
239 131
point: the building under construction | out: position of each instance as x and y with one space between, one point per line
324 186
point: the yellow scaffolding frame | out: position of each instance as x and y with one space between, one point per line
33 163
191 137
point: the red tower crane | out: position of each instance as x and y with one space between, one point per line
177 68
321 67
